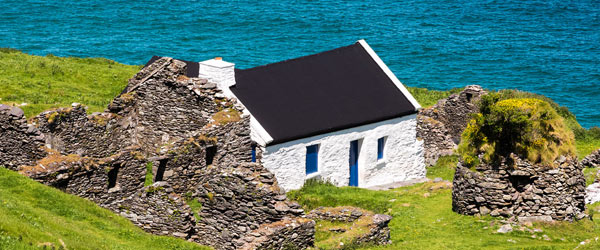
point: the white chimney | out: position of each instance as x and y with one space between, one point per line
220 72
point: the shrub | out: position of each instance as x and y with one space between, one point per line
528 127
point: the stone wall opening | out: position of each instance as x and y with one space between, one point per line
112 177
210 154
160 171
520 182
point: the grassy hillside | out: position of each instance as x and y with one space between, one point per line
33 215
423 218
45 82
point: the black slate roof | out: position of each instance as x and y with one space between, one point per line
325 92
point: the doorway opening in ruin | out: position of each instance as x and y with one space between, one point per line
160 171
112 177
210 154
62 185
469 97
520 182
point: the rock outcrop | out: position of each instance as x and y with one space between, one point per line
441 126
522 190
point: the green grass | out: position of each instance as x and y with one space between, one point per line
45 82
590 175
423 219
326 239
586 146
149 179
32 214
444 168
428 97
194 204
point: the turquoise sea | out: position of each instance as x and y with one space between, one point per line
550 47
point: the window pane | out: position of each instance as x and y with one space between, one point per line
380 144
312 157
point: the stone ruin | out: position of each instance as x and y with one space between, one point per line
441 126
374 227
592 160
171 154
593 190
523 190
21 142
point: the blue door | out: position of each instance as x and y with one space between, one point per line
354 163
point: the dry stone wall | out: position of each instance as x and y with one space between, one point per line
592 160
296 233
158 210
236 200
441 126
72 131
374 226
165 106
522 191
104 181
21 142
191 138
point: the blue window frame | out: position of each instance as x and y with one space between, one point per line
380 147
312 159
253 153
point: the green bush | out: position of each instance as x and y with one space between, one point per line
528 127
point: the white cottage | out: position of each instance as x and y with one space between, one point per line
339 115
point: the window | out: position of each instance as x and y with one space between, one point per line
380 147
160 171
112 177
253 153
312 159
210 154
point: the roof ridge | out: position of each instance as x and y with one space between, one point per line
297 58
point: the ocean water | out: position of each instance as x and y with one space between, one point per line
550 47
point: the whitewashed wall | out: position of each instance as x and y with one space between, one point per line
220 72
403 155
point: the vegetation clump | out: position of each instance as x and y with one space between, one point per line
528 127
225 116
58 115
